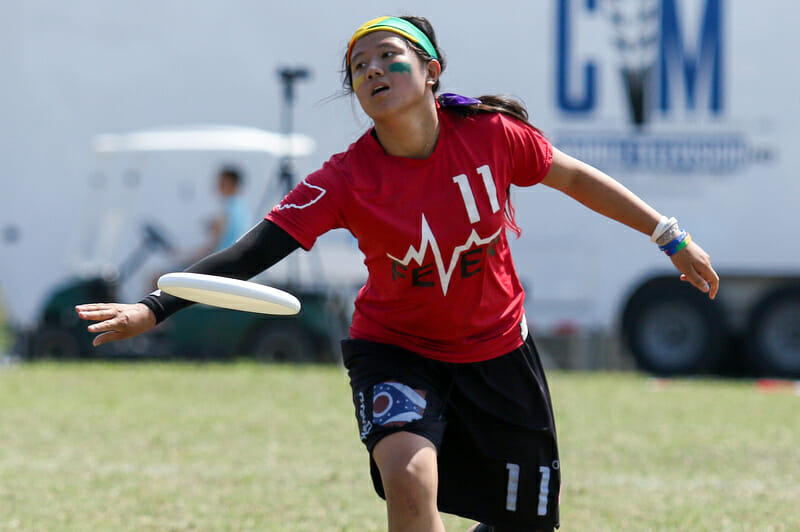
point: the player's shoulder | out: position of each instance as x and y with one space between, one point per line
503 120
504 125
482 122
355 151
341 168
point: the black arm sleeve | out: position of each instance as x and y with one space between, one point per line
258 249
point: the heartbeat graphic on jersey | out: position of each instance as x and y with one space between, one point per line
418 255
309 203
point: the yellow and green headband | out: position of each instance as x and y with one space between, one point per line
396 25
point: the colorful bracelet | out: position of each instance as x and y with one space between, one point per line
669 248
676 245
685 242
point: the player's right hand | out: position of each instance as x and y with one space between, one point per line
117 321
695 267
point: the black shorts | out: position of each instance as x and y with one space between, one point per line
491 422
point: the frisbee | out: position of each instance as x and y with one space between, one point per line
229 293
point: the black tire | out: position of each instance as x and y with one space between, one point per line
280 342
671 328
773 334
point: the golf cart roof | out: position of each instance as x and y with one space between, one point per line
205 138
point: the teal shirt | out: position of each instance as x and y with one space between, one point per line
237 221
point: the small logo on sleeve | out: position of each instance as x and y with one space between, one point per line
317 193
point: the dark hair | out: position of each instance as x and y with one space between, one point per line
231 173
492 103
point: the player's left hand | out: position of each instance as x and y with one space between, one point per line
695 267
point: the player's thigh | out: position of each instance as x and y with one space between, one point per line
407 460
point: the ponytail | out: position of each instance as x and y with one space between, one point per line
489 103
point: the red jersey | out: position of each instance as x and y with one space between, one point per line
441 281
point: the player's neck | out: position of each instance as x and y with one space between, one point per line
412 134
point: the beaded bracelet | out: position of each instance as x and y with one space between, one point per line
676 245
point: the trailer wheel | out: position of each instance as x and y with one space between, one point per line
671 328
773 334
280 342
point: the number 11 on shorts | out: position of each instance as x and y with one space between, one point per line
513 484
513 488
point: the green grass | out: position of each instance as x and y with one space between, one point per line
253 447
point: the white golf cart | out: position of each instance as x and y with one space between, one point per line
140 202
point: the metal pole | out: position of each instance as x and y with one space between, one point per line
289 76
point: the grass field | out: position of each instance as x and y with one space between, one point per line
97 446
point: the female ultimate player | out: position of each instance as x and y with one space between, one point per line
449 393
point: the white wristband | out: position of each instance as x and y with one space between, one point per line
663 224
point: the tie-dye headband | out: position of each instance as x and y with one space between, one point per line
396 25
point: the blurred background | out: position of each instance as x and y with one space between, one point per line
116 117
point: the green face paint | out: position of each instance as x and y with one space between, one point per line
400 67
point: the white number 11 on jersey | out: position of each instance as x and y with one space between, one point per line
469 199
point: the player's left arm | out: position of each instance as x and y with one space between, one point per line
605 195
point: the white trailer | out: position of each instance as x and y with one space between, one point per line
680 101
690 103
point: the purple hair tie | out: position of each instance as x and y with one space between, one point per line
448 99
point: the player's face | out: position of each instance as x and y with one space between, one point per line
388 76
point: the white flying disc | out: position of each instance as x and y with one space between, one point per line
229 293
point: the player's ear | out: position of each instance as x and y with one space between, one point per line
433 71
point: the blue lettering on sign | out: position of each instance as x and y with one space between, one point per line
674 62
685 153
662 67
708 58
568 102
